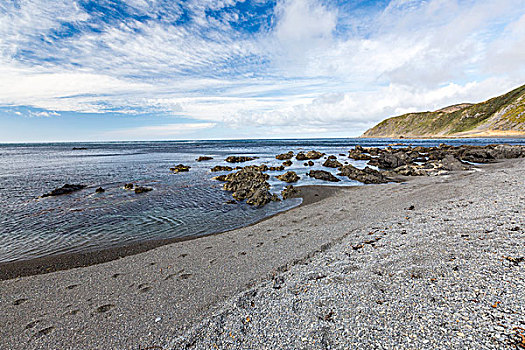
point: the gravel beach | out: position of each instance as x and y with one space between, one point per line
433 263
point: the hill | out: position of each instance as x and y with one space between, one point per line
500 116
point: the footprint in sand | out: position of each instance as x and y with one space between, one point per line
32 324
144 287
44 331
115 275
185 276
19 301
73 286
105 308
183 255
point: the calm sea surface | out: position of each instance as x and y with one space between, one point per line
185 204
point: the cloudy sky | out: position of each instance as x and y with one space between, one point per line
212 69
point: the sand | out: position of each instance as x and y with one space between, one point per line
187 294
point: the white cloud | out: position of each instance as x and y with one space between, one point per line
159 131
304 70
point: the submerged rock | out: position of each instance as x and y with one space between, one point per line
66 189
285 156
289 176
128 186
100 190
180 168
221 168
288 191
203 158
367 175
141 189
239 159
323 175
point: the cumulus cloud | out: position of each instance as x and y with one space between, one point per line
260 63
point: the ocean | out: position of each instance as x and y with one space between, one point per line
189 204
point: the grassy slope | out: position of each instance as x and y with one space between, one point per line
447 124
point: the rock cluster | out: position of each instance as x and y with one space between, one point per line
287 163
250 184
239 159
66 189
332 162
366 175
289 176
285 156
180 168
128 186
309 155
142 189
203 158
221 168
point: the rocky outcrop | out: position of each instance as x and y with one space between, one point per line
180 168
289 176
66 189
221 168
285 156
288 191
142 189
239 159
203 158
332 163
309 155
322 175
276 168
287 163
250 184
366 175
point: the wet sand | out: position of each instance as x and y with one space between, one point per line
148 300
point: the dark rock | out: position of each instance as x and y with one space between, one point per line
323 175
358 155
250 183
231 201
287 163
451 163
100 190
301 156
239 159
142 189
66 189
311 163
288 191
220 178
314 155
367 175
180 168
221 168
203 158
289 176
332 163
388 160
79 148
128 186
276 168
285 156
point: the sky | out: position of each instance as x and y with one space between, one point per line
232 69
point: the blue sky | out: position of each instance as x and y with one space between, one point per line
213 69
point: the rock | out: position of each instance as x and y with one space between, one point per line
250 183
353 154
392 160
221 168
79 148
367 175
203 158
289 176
288 191
412 170
301 156
220 178
285 156
451 163
231 201
332 163
66 189
276 168
180 168
314 155
310 163
287 163
323 175
239 159
100 190
142 189
128 186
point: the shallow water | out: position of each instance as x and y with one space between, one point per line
181 205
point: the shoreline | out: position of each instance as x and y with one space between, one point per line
65 261
386 238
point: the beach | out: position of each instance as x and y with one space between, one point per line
433 262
